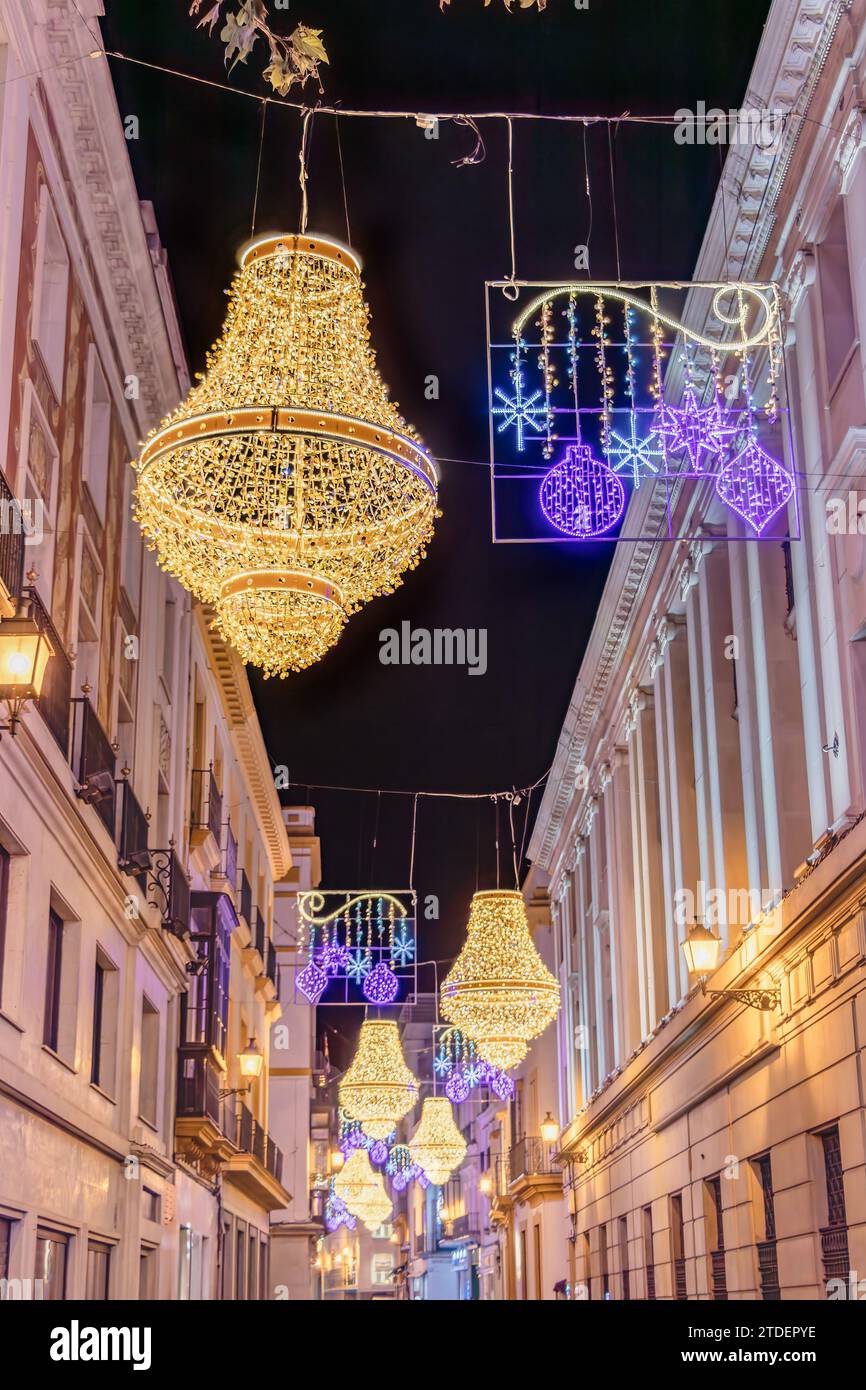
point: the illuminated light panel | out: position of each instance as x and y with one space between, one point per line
581 496
437 1145
378 1089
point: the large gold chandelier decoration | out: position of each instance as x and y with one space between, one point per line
363 1191
499 992
437 1144
287 490
378 1089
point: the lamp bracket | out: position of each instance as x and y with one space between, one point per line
764 999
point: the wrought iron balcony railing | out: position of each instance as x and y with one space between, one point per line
133 854
55 702
246 907
206 811
11 541
199 1082
170 890
250 1137
531 1157
768 1268
94 762
230 856
835 1253
259 933
272 969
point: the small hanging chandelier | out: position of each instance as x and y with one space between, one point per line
437 1145
499 992
362 1190
378 1089
287 490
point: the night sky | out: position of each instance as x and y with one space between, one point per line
430 234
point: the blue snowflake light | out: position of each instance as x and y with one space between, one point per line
358 965
633 453
520 413
403 946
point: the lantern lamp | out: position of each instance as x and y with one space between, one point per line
549 1129
25 651
701 949
437 1144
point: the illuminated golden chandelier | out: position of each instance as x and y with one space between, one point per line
362 1190
499 992
287 490
378 1089
437 1144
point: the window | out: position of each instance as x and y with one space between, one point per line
264 1269
50 293
253 1265
523 1274
51 1253
151 1205
648 1253
539 1280
227 1267
241 1262
98 1267
834 1236
89 597
768 1266
623 1257
53 980
4 903
184 1279
602 1251
836 299
37 484
716 1239
148 1269
5 1246
149 1082
97 434
587 1262
103 1049
677 1247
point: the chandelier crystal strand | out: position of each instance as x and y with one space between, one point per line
287 490
362 1190
437 1145
499 992
378 1089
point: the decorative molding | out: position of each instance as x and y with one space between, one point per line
850 144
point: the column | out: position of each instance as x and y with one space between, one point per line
646 845
620 868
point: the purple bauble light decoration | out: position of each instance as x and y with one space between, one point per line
581 496
312 982
379 1151
482 1071
456 1087
423 1181
755 485
381 985
400 1181
502 1085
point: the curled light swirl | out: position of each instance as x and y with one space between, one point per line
311 904
765 297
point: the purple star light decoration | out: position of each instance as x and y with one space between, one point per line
698 433
755 485
312 982
581 496
332 957
381 985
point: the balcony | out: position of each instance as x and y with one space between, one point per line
256 1165
534 1173
835 1254
218 1133
55 702
201 1121
459 1231
170 890
133 854
11 550
501 1200
246 903
206 809
94 763
768 1268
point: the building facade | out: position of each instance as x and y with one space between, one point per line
140 830
712 766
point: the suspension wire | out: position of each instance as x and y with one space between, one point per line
613 201
436 796
265 105
513 842
496 814
375 838
588 191
414 832
512 279
306 132
343 180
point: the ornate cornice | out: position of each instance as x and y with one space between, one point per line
850 144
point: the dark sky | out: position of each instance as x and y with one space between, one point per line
430 234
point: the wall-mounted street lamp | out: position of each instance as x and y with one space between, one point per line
250 1062
25 651
549 1129
338 1158
485 1184
702 949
